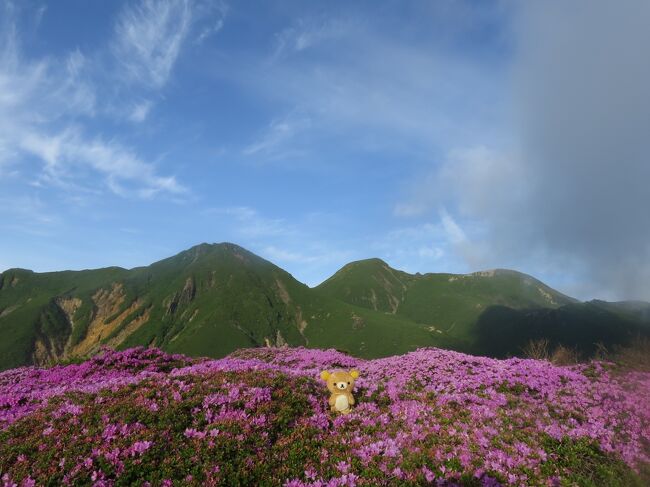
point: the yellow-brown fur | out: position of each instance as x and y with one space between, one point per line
340 383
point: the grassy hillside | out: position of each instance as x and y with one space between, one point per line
583 327
638 311
208 300
451 303
212 299
29 309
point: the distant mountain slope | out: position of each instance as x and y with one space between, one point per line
632 310
37 311
216 298
448 302
208 300
580 326
369 283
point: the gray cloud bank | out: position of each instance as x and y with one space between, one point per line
583 86
570 196
583 98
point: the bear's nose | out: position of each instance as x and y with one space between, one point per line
342 385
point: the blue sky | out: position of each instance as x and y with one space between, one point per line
314 134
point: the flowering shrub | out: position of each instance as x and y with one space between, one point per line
260 417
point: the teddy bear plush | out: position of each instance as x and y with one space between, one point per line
340 383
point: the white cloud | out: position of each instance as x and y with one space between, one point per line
309 259
30 209
440 243
425 247
38 17
304 34
477 180
370 91
409 209
148 39
67 153
210 16
484 188
455 234
300 246
250 224
140 111
43 105
279 140
28 214
149 36
433 253
484 178
279 255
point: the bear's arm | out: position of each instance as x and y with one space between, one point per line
332 400
351 399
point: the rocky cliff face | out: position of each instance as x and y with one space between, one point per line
110 321
181 298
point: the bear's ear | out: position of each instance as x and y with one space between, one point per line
324 375
354 373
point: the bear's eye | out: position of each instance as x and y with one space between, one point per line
348 383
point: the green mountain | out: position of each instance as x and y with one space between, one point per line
580 326
213 299
451 303
493 313
208 300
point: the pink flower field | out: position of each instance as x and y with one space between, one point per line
261 417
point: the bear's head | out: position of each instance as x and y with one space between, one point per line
340 380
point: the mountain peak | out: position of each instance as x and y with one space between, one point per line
362 269
498 272
373 261
208 249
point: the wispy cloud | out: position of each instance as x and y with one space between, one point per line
149 36
409 209
280 255
31 209
28 214
439 244
38 16
455 234
140 111
475 180
342 78
304 34
209 17
278 140
298 245
44 105
249 223
417 248
68 153
373 92
148 39
314 262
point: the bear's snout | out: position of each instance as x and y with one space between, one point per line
341 385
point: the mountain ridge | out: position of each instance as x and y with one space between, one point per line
207 300
211 299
